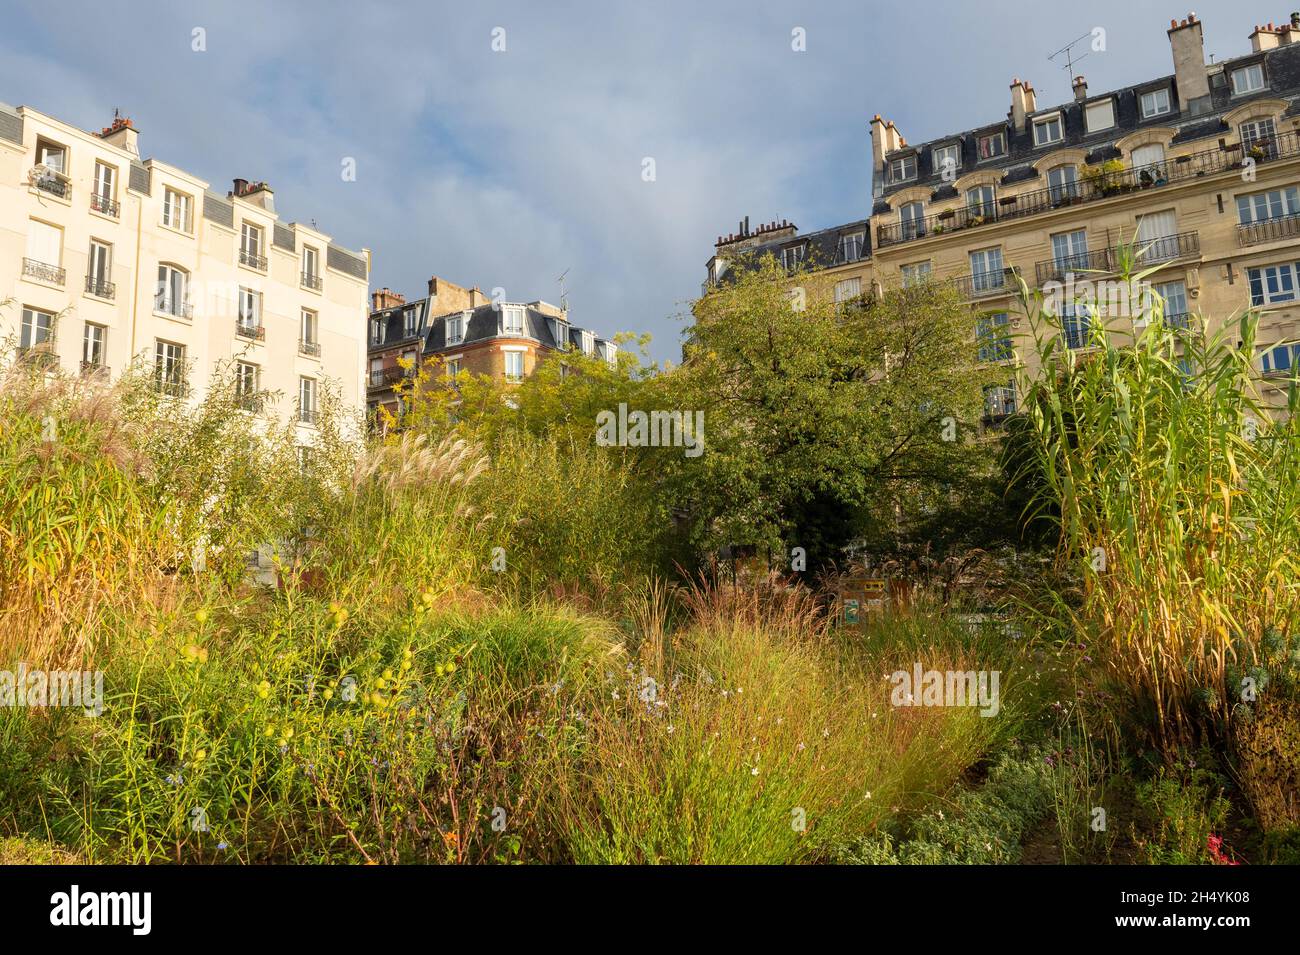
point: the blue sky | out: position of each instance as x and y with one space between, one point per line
507 168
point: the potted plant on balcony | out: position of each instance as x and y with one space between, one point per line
947 214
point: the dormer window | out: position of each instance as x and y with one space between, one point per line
947 159
512 320
377 331
455 326
610 351
792 256
903 168
410 321
588 342
1048 130
1101 115
992 145
560 332
1155 103
850 247
1249 79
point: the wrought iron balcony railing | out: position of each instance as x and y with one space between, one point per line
255 331
100 287
41 355
171 386
312 281
1268 230
94 369
107 206
252 261
170 306
986 284
309 348
44 271
307 415
1091 187
1143 252
251 402
55 183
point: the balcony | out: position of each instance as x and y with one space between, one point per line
251 402
55 183
40 356
309 348
255 332
307 416
312 281
252 260
44 272
171 386
1089 188
388 377
105 205
101 288
96 370
1144 253
1268 230
170 306
986 284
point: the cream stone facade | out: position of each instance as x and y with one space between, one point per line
108 261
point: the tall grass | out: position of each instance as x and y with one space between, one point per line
1178 507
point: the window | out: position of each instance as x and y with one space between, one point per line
410 321
903 168
1174 295
560 332
1157 235
992 146
377 331
1000 400
103 198
1062 183
455 328
986 270
1248 79
980 201
1258 139
173 293
38 327
45 246
514 365
453 367
250 309
512 319
53 155
611 352
1070 250
588 342
311 267
792 256
1149 161
1100 115
947 158
376 371
850 247
307 400
912 218
1047 131
1279 359
177 210
1270 284
1155 103
1076 325
993 335
1268 205
915 274
250 246
169 368
847 290
308 329
246 375
92 345
99 267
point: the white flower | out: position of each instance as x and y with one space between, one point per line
754 771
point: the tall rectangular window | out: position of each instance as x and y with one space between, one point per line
993 335
250 308
169 367
847 290
454 332
177 212
1062 183
512 319
173 292
850 247
1259 138
250 246
38 327
1100 115
307 400
93 340
981 201
310 267
514 363
912 218
947 159
1070 250
45 244
1157 239
986 269
103 197
307 327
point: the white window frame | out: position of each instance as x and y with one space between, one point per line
512 320
94 344
100 266
178 210
899 168
250 308
1044 123
916 273
1156 99
1250 72
851 243
169 277
309 321
1277 204
847 289
35 332
1282 270
513 356
998 137
454 328
938 153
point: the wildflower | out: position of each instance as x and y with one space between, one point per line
801 747
754 771
270 731
670 727
451 666
201 615
203 654
200 755
380 684
440 669
328 694
388 674
288 732
223 846
263 689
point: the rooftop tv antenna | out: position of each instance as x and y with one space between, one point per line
564 296
1068 52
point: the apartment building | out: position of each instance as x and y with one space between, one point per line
107 260
1199 169
455 329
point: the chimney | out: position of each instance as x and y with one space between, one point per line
1188 48
1020 108
122 134
258 193
385 298
877 156
1264 38
1291 32
1080 89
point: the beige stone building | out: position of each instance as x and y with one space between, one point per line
1198 170
108 260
